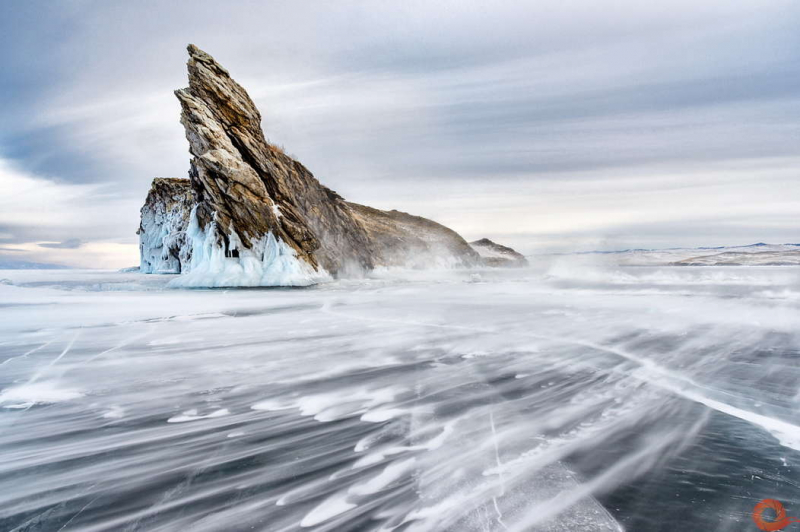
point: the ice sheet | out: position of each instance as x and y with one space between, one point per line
460 400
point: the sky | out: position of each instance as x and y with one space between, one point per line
548 126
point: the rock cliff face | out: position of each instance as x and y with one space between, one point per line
247 189
163 245
493 254
251 215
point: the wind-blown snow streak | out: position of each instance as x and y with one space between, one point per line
557 398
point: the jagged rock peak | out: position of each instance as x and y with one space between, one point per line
226 98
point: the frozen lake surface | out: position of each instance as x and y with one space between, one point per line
572 396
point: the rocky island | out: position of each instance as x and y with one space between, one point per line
493 254
250 215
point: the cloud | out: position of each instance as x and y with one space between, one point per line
94 255
534 120
37 213
72 243
36 208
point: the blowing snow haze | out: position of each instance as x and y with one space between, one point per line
543 126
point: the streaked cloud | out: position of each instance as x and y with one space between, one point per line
548 124
72 243
37 213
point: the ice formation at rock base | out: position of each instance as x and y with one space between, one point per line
268 262
163 245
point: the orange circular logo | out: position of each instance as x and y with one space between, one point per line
780 521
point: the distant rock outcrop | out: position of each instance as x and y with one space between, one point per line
493 254
250 215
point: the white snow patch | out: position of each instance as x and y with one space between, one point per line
372 458
191 415
115 412
330 507
332 406
377 416
37 393
390 474
271 406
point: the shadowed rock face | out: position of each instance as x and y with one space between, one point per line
244 189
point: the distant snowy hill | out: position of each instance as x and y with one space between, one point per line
25 265
759 254
761 257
